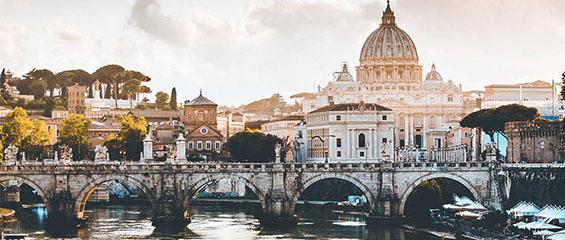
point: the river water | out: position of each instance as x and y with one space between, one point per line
208 222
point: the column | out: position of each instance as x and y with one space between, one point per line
424 129
383 74
406 130
352 144
148 147
412 130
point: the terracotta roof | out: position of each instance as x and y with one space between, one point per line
156 113
288 118
351 107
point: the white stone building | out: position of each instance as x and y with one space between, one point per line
346 133
282 127
538 94
389 74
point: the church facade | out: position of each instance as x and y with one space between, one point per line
427 109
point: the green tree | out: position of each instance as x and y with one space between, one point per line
492 120
115 146
115 76
131 88
173 103
132 133
74 133
2 78
37 89
162 100
252 147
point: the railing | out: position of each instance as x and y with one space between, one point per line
458 153
410 154
187 167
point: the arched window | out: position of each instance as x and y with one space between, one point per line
361 140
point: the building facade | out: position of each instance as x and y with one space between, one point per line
230 123
201 128
346 132
537 94
283 127
76 98
389 74
534 142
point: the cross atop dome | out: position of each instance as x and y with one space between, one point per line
388 15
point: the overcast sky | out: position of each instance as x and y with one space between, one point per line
238 51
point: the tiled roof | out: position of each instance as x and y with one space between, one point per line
201 101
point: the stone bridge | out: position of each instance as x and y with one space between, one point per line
65 189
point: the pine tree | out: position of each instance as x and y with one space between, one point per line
2 78
173 101
563 86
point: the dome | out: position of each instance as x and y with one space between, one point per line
388 41
344 75
433 75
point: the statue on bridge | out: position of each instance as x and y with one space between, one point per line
101 153
10 155
66 154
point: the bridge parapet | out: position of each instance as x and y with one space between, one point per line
210 167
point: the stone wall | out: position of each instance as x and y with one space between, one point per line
533 142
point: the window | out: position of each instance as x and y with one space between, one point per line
199 145
338 118
362 140
450 98
385 117
402 143
338 142
190 145
208 145
385 140
217 145
361 154
338 154
418 141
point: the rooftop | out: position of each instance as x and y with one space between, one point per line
351 107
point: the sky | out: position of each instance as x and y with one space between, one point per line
238 51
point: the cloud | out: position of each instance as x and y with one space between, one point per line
68 36
147 16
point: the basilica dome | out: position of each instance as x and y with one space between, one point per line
433 75
388 41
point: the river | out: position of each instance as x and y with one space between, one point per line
208 222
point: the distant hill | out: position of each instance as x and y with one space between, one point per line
267 106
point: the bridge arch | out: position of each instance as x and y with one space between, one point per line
85 192
33 185
198 185
453 177
366 191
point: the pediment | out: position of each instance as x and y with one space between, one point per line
204 130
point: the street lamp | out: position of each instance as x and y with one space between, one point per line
326 151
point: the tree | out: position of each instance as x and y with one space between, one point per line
131 87
30 136
115 146
2 78
115 75
132 133
173 103
252 147
37 89
74 133
492 120
162 100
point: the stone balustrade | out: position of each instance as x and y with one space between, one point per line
187 167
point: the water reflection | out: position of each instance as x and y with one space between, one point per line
210 222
